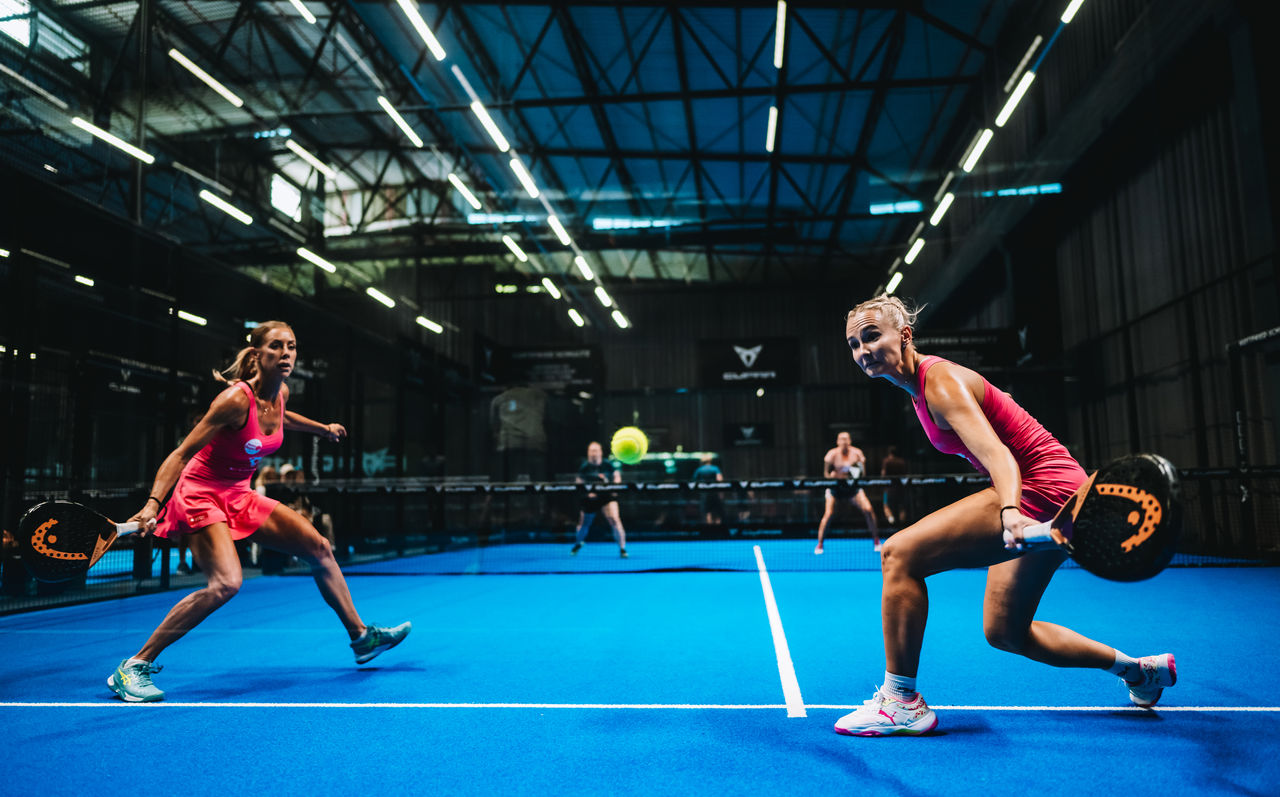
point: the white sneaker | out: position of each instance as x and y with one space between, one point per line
1157 673
818 551
884 715
876 547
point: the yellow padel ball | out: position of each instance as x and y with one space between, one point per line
629 445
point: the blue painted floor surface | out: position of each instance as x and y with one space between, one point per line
598 646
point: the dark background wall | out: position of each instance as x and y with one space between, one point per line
1127 289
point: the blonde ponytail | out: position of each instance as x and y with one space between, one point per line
245 365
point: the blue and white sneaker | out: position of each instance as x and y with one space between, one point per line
132 682
376 639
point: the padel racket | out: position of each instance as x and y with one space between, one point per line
61 540
1122 524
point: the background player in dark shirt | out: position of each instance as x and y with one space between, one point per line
599 471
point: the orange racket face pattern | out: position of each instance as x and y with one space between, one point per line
1127 526
61 540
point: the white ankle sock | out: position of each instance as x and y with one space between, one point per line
1126 667
899 685
133 661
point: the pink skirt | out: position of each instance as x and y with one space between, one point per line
197 504
1047 486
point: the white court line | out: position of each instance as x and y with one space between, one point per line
786 670
627 706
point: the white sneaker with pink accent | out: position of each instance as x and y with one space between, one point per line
887 715
1157 673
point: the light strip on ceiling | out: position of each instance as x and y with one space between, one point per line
209 80
399 120
118 143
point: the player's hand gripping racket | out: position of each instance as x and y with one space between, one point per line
1122 524
62 539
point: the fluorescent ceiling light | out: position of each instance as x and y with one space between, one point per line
581 263
1072 8
942 189
526 179
620 319
307 15
84 280
206 180
942 209
307 254
286 229
780 34
34 88
894 281
227 208
193 318
603 296
380 297
1023 63
226 93
906 206
577 317
913 252
559 230
466 84
4 252
984 138
773 128
1014 98
400 122
419 24
118 143
490 126
551 287
319 165
429 324
515 248
500 218
466 192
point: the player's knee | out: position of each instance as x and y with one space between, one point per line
895 558
1003 637
224 589
318 554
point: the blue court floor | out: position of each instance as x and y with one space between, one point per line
642 683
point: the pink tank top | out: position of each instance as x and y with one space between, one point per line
233 455
1031 444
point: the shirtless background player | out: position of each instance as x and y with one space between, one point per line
843 462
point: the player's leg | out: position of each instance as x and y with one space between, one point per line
614 517
286 531
869 512
1013 594
828 507
963 534
584 525
214 552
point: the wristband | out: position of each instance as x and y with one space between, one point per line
153 498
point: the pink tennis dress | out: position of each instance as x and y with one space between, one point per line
214 485
1049 473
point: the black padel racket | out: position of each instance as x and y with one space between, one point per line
1122 524
62 539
